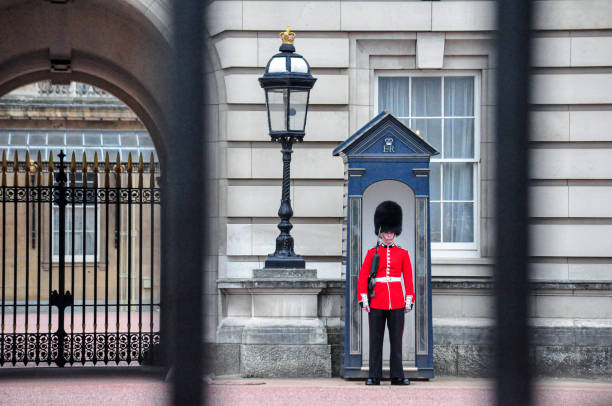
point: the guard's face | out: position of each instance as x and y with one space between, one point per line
388 237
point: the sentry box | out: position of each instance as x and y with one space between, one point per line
385 160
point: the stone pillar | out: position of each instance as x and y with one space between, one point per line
273 323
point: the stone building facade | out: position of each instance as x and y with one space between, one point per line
370 55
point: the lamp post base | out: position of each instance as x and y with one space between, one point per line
285 262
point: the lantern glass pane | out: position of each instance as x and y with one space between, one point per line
277 105
299 65
278 65
297 109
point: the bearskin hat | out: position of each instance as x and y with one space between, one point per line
388 218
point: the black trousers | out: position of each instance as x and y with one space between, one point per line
395 322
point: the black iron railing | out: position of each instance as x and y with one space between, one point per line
80 261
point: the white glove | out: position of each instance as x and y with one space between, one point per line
364 302
409 304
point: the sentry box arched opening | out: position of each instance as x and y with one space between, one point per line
385 160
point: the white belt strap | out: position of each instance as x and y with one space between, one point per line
389 279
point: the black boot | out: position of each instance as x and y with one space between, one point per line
400 381
373 381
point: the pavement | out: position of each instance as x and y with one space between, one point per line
151 390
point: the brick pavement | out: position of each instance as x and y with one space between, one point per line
152 391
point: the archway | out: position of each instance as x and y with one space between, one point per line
81 256
119 46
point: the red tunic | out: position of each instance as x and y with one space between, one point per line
394 262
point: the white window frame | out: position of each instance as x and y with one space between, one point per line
450 249
68 257
77 258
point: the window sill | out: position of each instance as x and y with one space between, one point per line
457 260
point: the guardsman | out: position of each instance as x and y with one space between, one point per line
393 293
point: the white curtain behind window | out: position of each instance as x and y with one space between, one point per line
442 109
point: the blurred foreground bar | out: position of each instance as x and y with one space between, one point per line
512 366
185 186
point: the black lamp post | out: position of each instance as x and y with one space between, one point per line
287 82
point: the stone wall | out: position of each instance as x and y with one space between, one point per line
349 45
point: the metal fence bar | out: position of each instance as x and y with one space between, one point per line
72 252
512 366
83 257
3 247
50 224
15 259
106 250
39 189
129 255
185 198
140 203
27 256
118 248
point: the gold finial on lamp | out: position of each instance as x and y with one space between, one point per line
287 36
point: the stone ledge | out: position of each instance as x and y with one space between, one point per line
242 283
290 274
487 284
577 335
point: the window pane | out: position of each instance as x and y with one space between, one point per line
125 152
68 211
68 244
56 138
78 218
129 140
426 97
55 243
112 153
459 96
74 139
145 140
4 137
393 95
434 181
34 153
55 218
78 153
458 183
434 219
458 222
276 105
110 139
297 114
459 138
19 139
90 218
78 243
93 139
90 244
90 153
430 130
38 139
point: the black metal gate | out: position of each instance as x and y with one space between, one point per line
79 262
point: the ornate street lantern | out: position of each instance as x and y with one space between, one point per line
287 82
